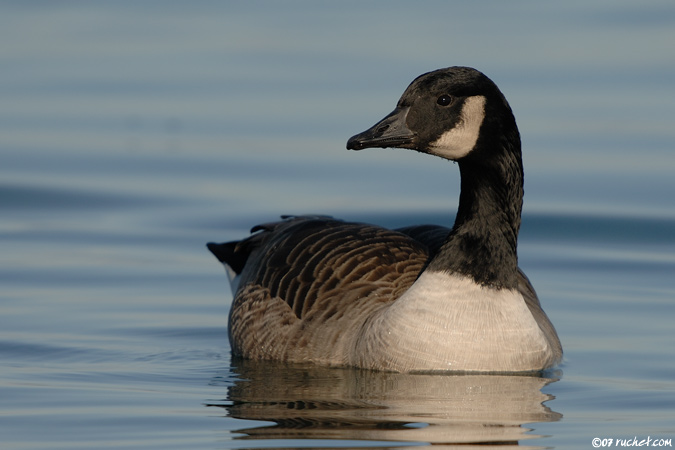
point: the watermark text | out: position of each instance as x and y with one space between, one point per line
631 442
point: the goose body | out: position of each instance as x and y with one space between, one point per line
420 298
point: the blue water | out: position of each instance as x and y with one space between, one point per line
131 133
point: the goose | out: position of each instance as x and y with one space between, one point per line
426 298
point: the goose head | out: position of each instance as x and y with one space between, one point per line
448 113
459 114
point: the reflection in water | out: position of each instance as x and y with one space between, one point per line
308 402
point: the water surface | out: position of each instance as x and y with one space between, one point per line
133 133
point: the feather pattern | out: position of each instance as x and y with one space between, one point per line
307 274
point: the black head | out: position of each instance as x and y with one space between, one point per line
446 113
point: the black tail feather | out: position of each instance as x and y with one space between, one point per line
227 254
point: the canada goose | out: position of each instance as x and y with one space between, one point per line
421 298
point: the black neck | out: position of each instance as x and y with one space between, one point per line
483 242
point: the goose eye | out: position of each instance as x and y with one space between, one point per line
444 100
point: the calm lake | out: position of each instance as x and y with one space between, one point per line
132 133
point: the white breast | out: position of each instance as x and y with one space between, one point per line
448 322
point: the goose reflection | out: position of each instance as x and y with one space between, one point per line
309 402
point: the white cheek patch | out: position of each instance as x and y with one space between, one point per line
459 141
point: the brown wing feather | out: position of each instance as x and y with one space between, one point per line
310 282
303 259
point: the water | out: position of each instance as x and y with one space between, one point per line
133 133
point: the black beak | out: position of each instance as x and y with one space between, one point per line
391 131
